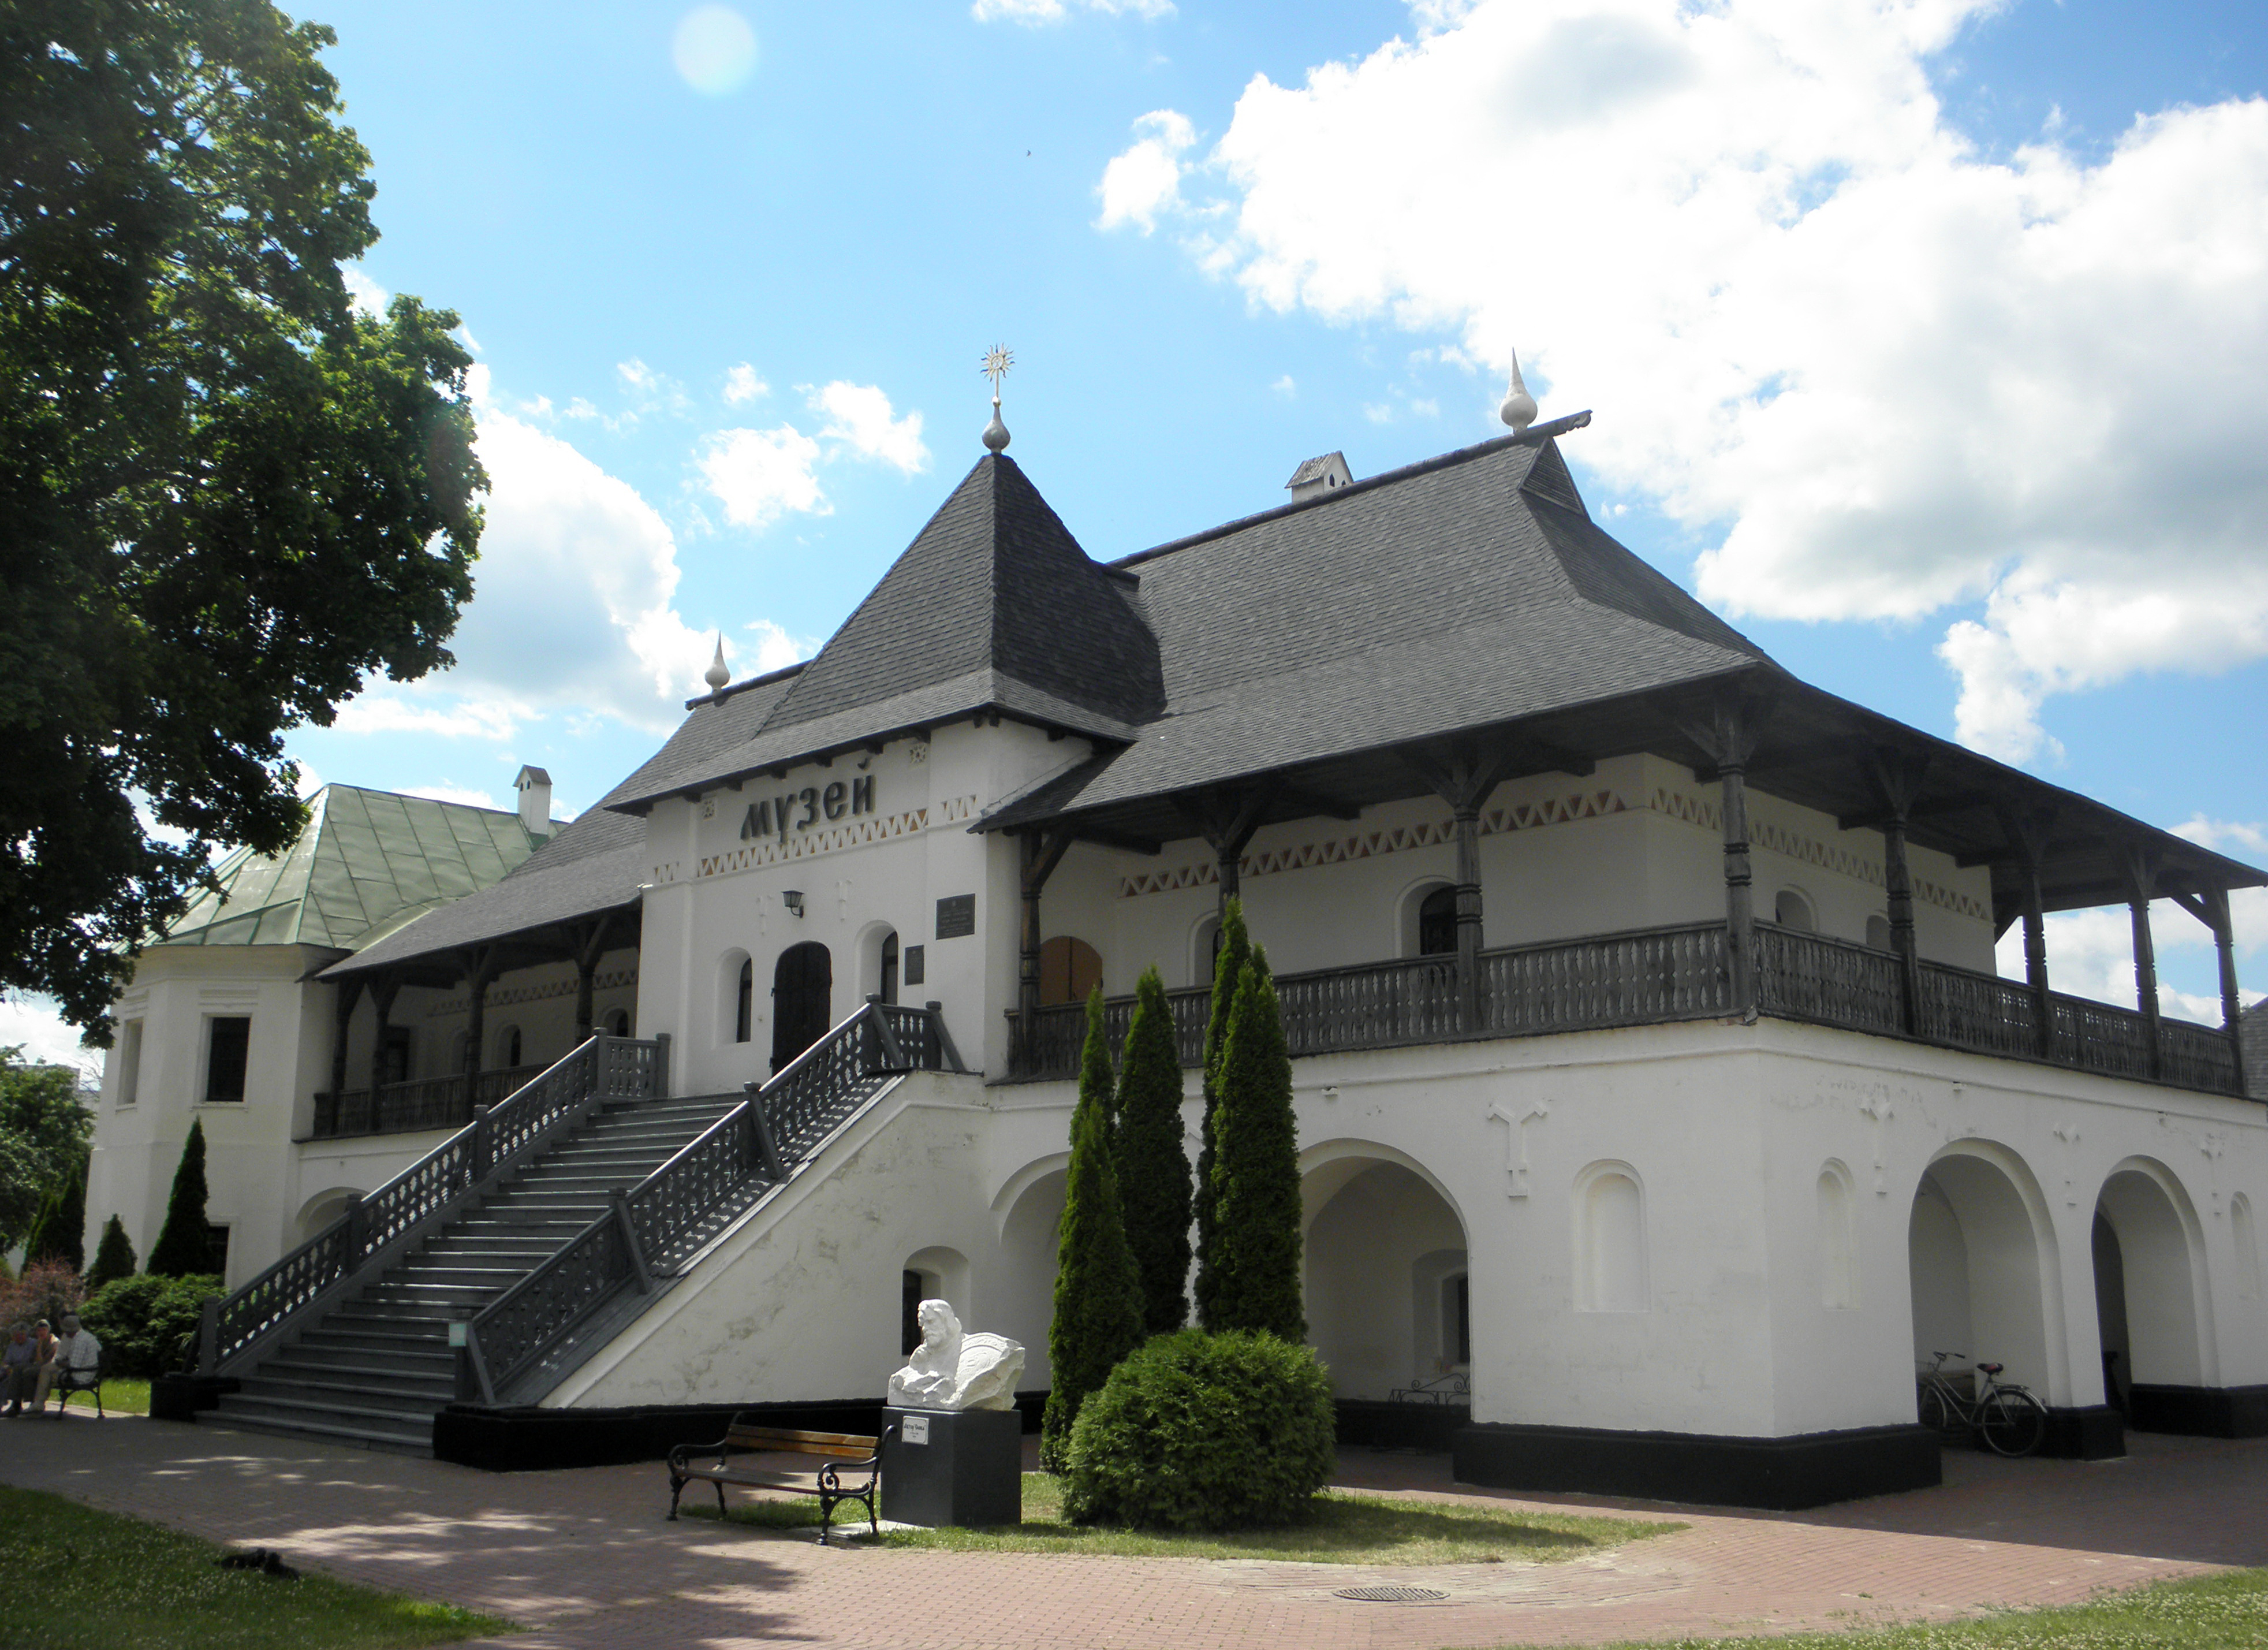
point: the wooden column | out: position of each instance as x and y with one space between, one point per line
479 970
383 989
1465 777
2232 1004
347 994
1040 852
1227 820
593 947
2027 834
1900 776
2141 883
1729 739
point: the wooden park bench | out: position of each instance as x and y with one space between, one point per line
67 1381
852 1452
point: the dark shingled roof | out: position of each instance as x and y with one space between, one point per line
993 605
2252 1038
1356 620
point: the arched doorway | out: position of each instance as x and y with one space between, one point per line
1387 1300
2147 1298
1022 1305
1982 1262
802 986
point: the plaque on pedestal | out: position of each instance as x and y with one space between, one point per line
957 1467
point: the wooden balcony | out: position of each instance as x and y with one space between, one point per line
1657 976
425 1103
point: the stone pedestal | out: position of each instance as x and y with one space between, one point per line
958 1467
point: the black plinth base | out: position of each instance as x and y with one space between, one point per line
969 1472
179 1397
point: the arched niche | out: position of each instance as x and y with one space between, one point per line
323 1208
1981 1255
877 954
1612 1272
935 1273
736 998
1792 907
1426 920
1021 1305
1837 1238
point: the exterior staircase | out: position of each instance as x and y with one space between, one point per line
375 1367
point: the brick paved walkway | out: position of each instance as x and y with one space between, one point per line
586 1559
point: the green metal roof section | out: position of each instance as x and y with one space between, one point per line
368 862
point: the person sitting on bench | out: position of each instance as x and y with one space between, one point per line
78 1357
21 1364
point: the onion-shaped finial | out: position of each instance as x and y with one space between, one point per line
717 675
997 360
1519 408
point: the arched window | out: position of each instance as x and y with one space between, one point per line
1878 933
1611 1269
886 986
618 1023
1436 923
1457 1319
744 1002
1791 910
1069 969
508 1048
1204 948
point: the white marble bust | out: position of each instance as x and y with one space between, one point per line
954 1370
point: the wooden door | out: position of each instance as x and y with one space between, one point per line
801 986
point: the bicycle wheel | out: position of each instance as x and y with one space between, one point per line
1934 1414
2013 1422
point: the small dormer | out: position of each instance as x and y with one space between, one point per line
1318 476
534 787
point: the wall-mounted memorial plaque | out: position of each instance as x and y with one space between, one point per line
956 915
910 966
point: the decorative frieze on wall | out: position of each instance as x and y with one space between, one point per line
858 833
509 995
1683 806
1374 844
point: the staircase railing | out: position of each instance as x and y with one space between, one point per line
375 1226
654 1229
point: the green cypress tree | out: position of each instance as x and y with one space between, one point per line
1228 961
38 1240
1097 1316
114 1257
1154 1166
63 1234
1256 1172
184 1245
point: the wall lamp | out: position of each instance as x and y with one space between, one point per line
793 898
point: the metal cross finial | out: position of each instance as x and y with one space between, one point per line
997 360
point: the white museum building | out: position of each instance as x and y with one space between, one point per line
1659 1102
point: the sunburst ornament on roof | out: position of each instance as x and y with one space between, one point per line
997 360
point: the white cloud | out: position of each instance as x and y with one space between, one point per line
1894 375
777 648
859 416
2091 953
759 476
1034 13
2236 837
447 715
742 384
1287 388
364 293
36 1024
453 793
714 49
1145 182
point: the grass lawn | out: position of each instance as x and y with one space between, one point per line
120 1396
1344 1529
75 1579
2207 1612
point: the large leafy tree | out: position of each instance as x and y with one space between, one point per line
45 1134
225 497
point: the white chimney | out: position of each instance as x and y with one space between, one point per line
534 787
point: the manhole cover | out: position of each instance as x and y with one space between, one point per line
1390 1595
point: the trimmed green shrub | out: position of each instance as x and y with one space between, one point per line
1197 1430
1153 1166
145 1323
184 1245
114 1257
1256 1190
1098 1311
1228 961
59 1232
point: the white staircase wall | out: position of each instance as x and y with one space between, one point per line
802 1300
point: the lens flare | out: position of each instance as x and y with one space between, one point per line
715 49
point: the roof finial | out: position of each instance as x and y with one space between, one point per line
1519 408
718 674
997 360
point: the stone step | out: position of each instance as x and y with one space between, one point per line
409 1433
363 1333
309 1354
384 1388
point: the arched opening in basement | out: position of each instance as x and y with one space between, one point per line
1982 1260
1389 1295
2149 1309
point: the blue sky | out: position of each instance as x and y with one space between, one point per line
1928 341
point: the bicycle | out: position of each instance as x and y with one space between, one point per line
2010 1421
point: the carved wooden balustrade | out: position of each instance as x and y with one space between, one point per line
1656 976
425 1102
657 1227
375 1227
